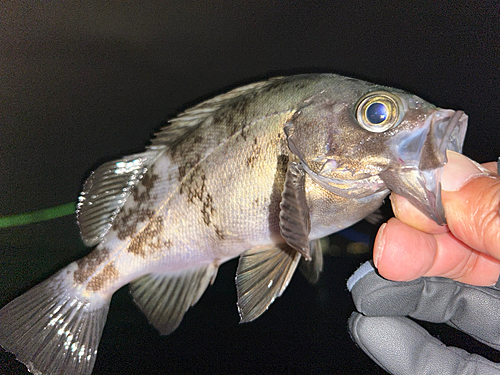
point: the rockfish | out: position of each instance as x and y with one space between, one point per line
262 172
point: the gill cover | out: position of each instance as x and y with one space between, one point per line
307 134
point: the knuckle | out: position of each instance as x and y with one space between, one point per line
486 215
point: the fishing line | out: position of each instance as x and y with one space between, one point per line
69 209
37 216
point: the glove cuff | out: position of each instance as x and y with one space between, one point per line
361 272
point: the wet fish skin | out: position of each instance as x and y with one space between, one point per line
262 172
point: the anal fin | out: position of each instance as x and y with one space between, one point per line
165 298
263 274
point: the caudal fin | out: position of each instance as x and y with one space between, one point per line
52 329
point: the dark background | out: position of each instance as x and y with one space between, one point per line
81 83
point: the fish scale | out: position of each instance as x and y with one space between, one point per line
262 172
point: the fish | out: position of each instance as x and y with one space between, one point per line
263 173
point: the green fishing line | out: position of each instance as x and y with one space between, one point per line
37 216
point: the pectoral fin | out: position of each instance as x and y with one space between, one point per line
165 298
295 223
263 274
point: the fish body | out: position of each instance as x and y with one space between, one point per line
262 172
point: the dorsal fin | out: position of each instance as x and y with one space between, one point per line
106 190
263 274
189 120
165 298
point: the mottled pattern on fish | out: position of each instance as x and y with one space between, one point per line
208 219
262 172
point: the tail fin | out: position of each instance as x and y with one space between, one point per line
52 329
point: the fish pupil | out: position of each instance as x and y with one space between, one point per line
376 113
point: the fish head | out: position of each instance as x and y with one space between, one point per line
364 138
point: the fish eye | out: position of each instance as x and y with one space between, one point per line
379 111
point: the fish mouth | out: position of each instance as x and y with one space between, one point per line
423 156
449 132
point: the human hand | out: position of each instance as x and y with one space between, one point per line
467 249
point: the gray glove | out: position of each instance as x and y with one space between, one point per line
399 345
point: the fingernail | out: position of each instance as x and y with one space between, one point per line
459 170
394 203
380 244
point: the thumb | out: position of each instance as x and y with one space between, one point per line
471 200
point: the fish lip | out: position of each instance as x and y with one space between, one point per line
449 134
454 132
443 130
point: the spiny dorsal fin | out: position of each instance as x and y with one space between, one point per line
295 223
165 298
106 190
187 121
312 269
263 274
